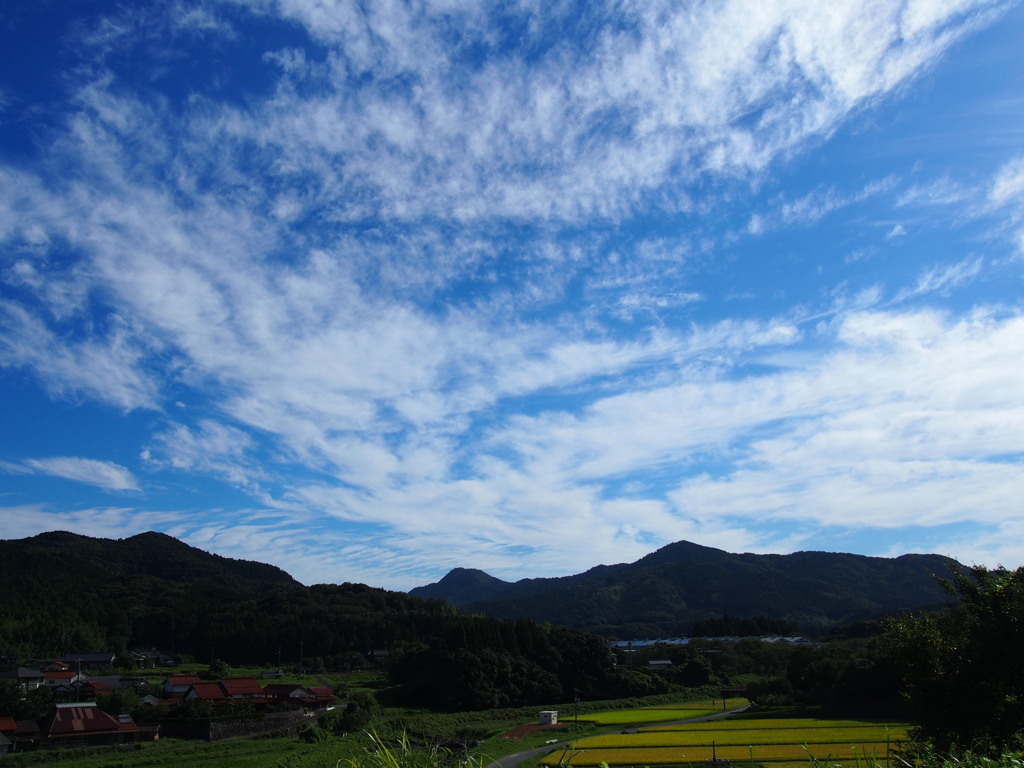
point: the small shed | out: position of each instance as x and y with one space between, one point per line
549 717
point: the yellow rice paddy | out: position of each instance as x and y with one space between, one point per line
742 742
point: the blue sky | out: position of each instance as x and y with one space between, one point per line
373 290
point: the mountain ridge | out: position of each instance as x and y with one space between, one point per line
150 587
667 591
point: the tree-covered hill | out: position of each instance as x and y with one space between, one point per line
66 593
667 592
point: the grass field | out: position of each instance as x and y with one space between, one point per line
746 742
281 752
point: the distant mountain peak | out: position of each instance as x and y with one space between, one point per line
463 585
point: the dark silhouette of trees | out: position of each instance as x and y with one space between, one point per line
963 669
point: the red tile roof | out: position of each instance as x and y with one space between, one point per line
84 719
8 724
207 691
183 679
241 686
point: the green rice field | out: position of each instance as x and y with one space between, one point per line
664 713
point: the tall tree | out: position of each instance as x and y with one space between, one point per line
963 670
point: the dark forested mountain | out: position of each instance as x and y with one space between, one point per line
537 640
668 591
64 593
154 555
67 592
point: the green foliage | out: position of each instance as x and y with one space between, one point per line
928 758
743 626
216 670
271 752
356 715
403 754
770 692
119 701
31 706
963 670
481 663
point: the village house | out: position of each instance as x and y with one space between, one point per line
176 686
206 691
241 688
94 688
90 660
286 692
65 679
322 695
7 730
85 724
313 696
234 689
25 678
28 735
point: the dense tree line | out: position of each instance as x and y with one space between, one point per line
962 669
743 626
485 663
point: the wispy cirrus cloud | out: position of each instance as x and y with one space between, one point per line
440 287
943 279
103 474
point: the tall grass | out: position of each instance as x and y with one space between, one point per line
403 754
926 758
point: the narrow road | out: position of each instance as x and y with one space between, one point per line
511 761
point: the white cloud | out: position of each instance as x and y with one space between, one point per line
583 130
944 279
107 369
27 520
102 474
368 279
1009 182
1007 195
912 424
